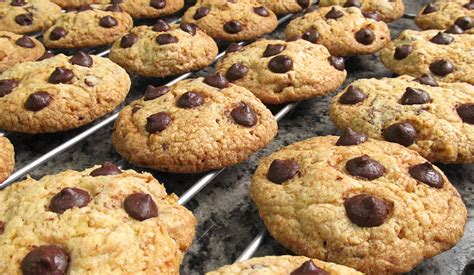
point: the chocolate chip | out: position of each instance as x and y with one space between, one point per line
24 19
352 96
161 26
303 3
25 42
17 3
233 47
38 100
244 116
46 55
350 137
82 59
2 227
153 92
106 169
236 71
402 133
414 96
466 112
7 86
217 80
84 7
465 22
128 40
57 33
157 122
430 8
140 206
114 8
201 12
427 79
375 15
337 62
365 36
273 49
309 268
117 1
282 170
442 39
352 3
190 100
46 259
469 6
165 38
334 14
454 29
233 26
365 167
136 109
311 36
280 64
158 4
469 268
189 28
69 198
61 75
366 210
427 174
442 67
108 21
401 52
262 11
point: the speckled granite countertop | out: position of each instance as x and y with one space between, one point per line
227 219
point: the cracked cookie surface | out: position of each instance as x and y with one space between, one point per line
281 7
7 158
18 48
389 10
446 14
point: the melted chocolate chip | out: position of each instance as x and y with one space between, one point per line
128 40
442 39
7 86
158 4
233 47
236 71
350 137
401 52
233 27
244 115
303 3
442 67
280 64
375 15
217 80
365 36
157 122
61 75
106 169
84 7
427 79
190 100
201 12
465 22
82 59
430 8
469 6
189 28
262 11
366 210
309 268
69 198
352 3
274 49
454 29
402 133
466 112
427 174
164 39
161 26
140 206
24 19
352 96
311 36
57 33
108 21
46 55
414 96
46 259
17 3
334 14
38 100
282 170
2 227
25 42
365 167
153 92
114 8
337 62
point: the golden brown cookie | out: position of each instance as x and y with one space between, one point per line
371 205
281 7
386 10
231 20
164 50
344 31
16 48
7 158
194 126
100 220
277 71
457 16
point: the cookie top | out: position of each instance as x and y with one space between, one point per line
447 56
194 126
234 20
386 10
436 121
60 93
24 16
101 219
283 265
277 71
281 7
344 200
88 28
455 15
344 31
18 48
164 50
7 158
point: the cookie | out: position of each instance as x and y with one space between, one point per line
456 16
194 126
88 28
100 220
282 7
18 48
344 31
60 93
284 265
7 158
24 16
385 10
277 71
433 118
231 20
371 205
447 56
164 50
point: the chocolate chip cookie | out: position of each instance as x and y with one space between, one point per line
455 16
385 10
344 31
446 55
281 7
435 119
194 126
17 48
60 93
7 158
231 20
24 16
100 220
277 71
293 265
164 50
87 28
371 205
